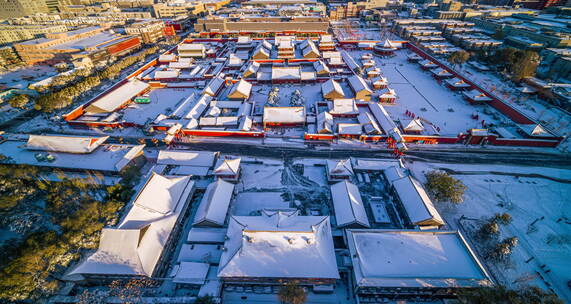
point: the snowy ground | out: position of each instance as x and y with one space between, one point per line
163 101
543 199
310 92
21 78
421 94
249 203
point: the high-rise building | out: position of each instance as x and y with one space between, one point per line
20 8
56 6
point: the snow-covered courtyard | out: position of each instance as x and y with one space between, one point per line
539 202
418 92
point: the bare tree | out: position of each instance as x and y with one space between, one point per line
292 293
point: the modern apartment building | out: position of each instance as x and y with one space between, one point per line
20 8
261 24
150 31
14 33
86 42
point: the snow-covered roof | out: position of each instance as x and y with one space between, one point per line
331 54
535 130
286 73
428 63
341 167
229 121
326 39
309 75
116 98
180 64
167 57
415 259
419 207
195 47
213 86
227 166
394 173
358 84
198 109
381 81
279 245
368 164
285 44
227 104
240 89
190 273
414 56
388 93
214 204
206 235
324 123
348 205
386 122
244 40
373 72
441 72
186 158
345 106
245 123
109 157
457 82
331 87
234 60
261 51
388 44
414 125
64 143
284 115
252 69
335 61
166 74
160 187
310 49
349 128
266 44
135 246
476 95
351 63
200 253
320 67
369 124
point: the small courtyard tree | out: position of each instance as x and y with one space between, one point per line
93 297
207 299
459 57
525 65
444 187
19 101
503 218
489 230
292 293
503 249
